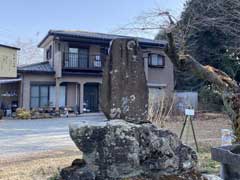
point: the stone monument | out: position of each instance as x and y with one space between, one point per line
124 89
127 146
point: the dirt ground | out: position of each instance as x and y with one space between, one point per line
208 133
46 165
207 127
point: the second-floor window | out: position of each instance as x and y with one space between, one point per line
156 60
49 53
77 57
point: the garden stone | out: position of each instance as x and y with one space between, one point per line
229 157
124 88
118 149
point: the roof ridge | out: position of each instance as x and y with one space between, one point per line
101 33
100 36
33 64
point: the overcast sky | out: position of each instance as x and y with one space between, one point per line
31 19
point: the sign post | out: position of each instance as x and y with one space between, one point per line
189 114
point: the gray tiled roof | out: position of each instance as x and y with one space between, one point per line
42 67
101 36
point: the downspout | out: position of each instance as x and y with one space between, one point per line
22 88
76 94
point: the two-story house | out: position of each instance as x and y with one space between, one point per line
71 73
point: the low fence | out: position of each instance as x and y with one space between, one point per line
184 100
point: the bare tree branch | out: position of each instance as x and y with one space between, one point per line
226 21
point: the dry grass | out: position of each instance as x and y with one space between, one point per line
160 107
43 166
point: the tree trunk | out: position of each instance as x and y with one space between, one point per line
230 90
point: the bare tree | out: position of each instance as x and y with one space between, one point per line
29 52
178 48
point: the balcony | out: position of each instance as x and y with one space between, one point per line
77 61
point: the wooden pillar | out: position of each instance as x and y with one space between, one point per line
81 97
20 93
145 58
76 94
57 95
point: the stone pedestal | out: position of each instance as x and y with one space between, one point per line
229 157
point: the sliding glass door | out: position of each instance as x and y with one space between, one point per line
45 96
77 58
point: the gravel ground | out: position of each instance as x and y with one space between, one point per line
29 136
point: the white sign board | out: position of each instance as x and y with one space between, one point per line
226 137
189 112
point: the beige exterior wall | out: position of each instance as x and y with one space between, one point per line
81 80
50 43
58 47
160 77
93 51
72 97
8 62
27 79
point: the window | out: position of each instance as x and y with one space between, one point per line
97 62
83 57
49 53
59 47
77 58
39 96
73 50
156 60
44 96
34 97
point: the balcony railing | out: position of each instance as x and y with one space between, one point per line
82 61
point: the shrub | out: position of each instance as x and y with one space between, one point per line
1 113
160 107
22 113
210 99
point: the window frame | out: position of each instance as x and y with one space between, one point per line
39 96
35 96
43 96
150 64
49 52
79 59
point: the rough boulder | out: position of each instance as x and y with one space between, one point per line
119 150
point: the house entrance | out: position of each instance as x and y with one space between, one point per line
91 97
